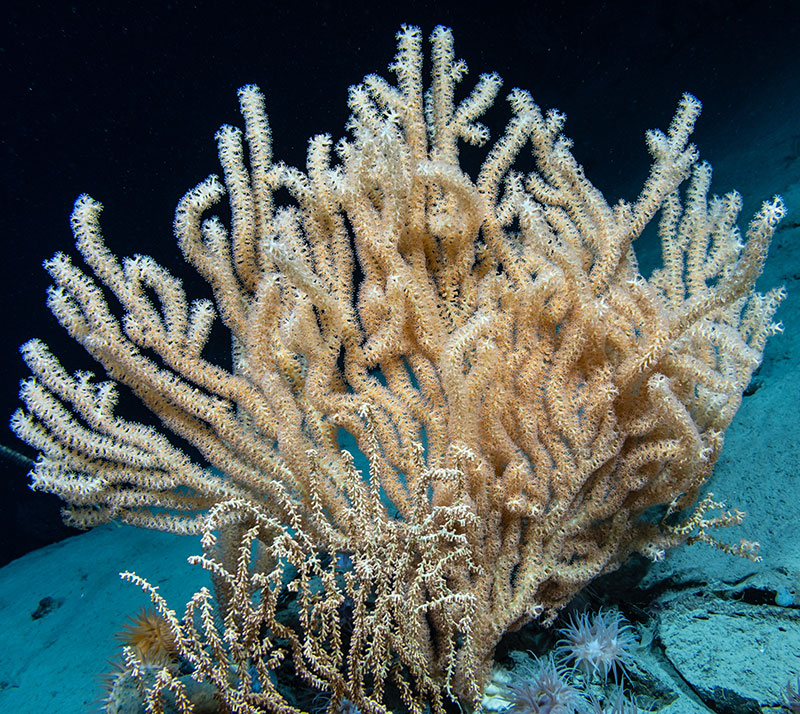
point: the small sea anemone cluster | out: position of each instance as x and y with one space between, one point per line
598 644
541 689
593 647
150 638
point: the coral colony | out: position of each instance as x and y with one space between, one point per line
515 394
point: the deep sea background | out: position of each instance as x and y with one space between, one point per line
122 102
